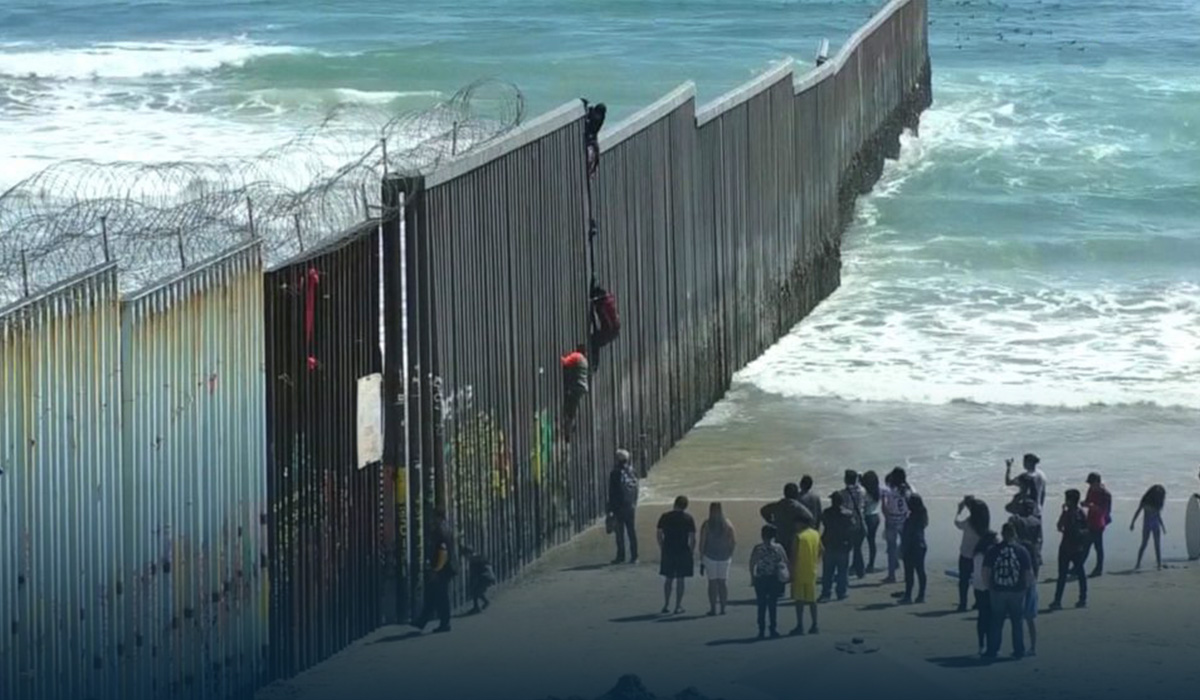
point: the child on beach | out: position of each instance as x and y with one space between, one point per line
1152 525
768 570
804 576
913 542
480 577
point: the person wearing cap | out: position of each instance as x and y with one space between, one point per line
622 505
1032 483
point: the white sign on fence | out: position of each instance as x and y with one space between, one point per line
370 419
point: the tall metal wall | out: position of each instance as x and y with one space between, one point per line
325 513
132 445
61 540
718 230
194 483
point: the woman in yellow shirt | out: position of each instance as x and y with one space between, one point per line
804 575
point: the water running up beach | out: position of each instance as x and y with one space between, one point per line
1025 278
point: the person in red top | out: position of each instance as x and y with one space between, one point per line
1099 514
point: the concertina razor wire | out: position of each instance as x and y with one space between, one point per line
155 219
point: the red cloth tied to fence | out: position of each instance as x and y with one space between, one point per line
310 306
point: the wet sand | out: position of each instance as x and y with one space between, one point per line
571 625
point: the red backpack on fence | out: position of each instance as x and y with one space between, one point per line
606 321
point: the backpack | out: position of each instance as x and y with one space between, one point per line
606 321
629 486
1006 570
1080 533
768 564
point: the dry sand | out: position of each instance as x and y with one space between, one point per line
571 625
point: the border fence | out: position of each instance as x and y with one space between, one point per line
718 230
223 479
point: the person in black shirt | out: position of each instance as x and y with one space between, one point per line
441 558
1073 549
786 514
677 540
837 538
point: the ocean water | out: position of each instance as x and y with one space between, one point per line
1025 278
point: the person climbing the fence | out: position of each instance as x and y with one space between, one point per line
622 505
605 319
575 386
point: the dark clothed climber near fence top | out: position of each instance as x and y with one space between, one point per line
575 386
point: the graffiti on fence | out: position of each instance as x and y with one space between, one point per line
542 455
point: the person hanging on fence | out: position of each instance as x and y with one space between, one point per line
575 386
605 320
592 124
442 562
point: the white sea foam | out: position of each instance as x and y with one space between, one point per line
130 59
915 321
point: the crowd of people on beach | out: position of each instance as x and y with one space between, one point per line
814 549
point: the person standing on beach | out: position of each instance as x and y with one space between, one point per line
677 541
786 514
717 542
1152 525
804 576
895 512
871 513
837 540
810 500
1072 549
1031 483
912 540
974 519
1029 536
768 569
622 505
855 497
1099 514
442 559
983 600
1009 571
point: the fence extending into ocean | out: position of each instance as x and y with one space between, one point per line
225 478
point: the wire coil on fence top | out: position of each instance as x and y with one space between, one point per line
154 219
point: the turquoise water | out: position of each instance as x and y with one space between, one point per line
1026 276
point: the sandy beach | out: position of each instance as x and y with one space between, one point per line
572 624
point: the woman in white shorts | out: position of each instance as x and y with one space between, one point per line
717 542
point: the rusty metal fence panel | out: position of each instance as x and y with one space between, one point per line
194 483
325 513
60 493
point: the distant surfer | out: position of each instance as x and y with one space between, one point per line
1032 484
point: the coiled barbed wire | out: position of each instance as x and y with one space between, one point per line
158 218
